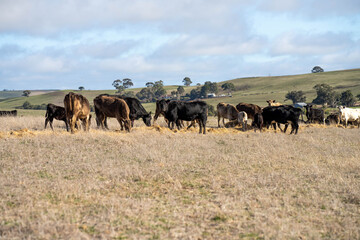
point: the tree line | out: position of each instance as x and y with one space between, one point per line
325 95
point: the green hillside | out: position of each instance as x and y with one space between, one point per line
251 90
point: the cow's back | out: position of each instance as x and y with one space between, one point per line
250 109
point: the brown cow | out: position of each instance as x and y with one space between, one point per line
77 107
228 111
112 107
250 109
273 103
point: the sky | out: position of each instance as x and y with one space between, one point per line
70 43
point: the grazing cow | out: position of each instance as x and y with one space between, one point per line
12 113
349 114
228 111
282 114
250 109
242 118
258 121
57 112
273 103
77 107
174 111
137 110
112 107
160 112
314 114
333 118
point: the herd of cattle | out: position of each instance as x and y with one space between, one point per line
126 110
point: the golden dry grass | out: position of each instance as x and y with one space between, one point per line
154 183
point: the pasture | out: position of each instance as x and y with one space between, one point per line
153 183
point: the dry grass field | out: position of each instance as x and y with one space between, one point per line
154 183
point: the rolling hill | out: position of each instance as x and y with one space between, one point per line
254 89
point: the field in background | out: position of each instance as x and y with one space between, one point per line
154 183
255 90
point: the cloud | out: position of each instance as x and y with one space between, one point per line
311 9
209 45
148 40
310 44
10 50
103 50
51 17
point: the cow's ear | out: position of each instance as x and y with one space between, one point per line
149 113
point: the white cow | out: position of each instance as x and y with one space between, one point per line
349 114
242 118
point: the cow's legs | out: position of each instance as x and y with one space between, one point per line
286 127
178 124
46 121
50 123
203 124
72 122
66 125
49 120
218 120
86 123
105 123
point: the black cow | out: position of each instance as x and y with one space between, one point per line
282 114
57 112
258 121
175 111
136 110
12 113
314 114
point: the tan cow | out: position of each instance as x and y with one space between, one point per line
112 107
273 103
228 111
77 107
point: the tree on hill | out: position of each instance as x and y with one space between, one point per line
118 85
127 83
81 88
26 93
145 94
347 98
180 90
229 87
149 84
325 94
158 89
187 81
209 87
296 96
121 85
317 69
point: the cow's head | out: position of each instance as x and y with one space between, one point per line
147 119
